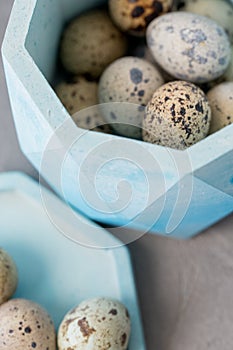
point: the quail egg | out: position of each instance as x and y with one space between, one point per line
77 95
8 276
177 116
189 46
134 16
90 43
221 102
99 323
220 11
126 86
25 325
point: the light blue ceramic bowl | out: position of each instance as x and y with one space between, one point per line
54 271
110 179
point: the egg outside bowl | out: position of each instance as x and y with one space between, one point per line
113 180
56 272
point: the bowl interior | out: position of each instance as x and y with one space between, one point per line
50 16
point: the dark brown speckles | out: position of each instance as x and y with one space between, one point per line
183 111
27 329
141 93
33 345
137 11
172 109
171 122
85 329
199 107
113 312
123 339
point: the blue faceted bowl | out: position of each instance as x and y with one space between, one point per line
117 181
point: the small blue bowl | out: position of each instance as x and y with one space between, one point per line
54 271
113 180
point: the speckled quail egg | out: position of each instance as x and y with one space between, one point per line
134 16
221 102
25 325
126 86
77 95
8 276
90 43
189 46
99 323
227 76
220 11
177 116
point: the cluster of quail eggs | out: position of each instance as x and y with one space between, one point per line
160 71
99 323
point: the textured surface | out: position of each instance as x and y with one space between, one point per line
177 116
189 46
25 325
99 323
134 16
185 287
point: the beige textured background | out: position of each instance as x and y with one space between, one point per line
185 288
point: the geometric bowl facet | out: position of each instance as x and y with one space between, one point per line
111 179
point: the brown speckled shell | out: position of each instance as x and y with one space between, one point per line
97 324
79 95
90 43
177 116
221 102
133 16
24 325
8 276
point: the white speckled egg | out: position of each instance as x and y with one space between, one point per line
133 81
133 16
77 95
221 102
25 325
99 323
177 116
90 43
218 10
189 46
8 276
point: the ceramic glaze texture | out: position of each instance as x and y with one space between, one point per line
120 181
